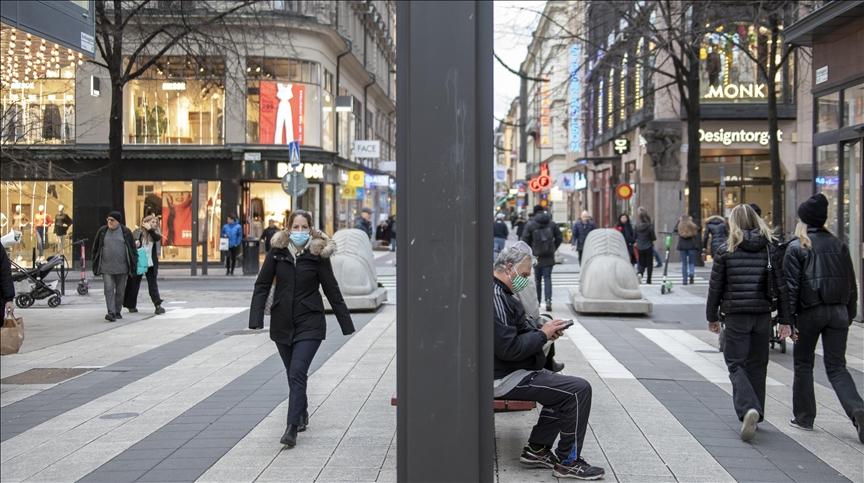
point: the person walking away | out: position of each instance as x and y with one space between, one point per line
234 233
114 258
520 226
745 278
645 237
363 222
268 233
392 226
629 234
717 231
688 246
581 229
500 234
147 236
544 237
298 264
822 296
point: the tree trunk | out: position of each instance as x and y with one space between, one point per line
115 145
774 153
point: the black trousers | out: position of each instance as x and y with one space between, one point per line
297 358
231 259
832 323
130 298
566 402
746 354
543 276
646 262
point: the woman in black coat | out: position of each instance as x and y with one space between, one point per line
645 237
823 297
626 229
744 282
298 263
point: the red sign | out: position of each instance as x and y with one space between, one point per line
624 191
280 112
542 182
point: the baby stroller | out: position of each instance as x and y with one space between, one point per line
37 286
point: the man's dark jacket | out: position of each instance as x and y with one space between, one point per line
518 344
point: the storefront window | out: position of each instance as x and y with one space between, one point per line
728 68
853 105
328 127
640 74
41 213
39 111
283 101
622 88
828 180
171 203
828 112
328 209
610 100
179 100
600 106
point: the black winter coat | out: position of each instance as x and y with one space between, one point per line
821 275
542 221
739 280
518 344
499 230
297 312
688 243
718 231
645 236
628 232
99 243
580 233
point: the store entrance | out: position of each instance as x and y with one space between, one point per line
265 200
731 180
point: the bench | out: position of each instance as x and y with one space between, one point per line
499 405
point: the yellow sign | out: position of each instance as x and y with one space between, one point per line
357 179
349 192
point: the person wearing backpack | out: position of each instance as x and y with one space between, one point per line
823 297
544 237
688 246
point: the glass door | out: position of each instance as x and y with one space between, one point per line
852 221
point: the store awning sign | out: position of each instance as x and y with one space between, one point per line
624 191
367 149
357 179
349 193
621 145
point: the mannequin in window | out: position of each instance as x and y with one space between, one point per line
19 219
712 65
284 116
51 122
41 222
62 222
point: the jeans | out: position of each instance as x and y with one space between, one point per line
688 264
130 300
832 323
566 402
657 256
543 275
115 289
498 245
646 263
746 355
297 358
231 260
392 244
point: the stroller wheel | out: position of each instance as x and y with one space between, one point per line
82 289
24 300
54 301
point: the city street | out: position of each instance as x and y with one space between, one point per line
195 396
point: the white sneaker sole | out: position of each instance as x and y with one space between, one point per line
802 428
535 463
748 426
575 477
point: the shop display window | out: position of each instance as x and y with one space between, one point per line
828 112
179 100
39 111
171 203
853 105
328 114
283 101
828 181
40 214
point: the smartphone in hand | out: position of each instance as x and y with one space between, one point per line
568 324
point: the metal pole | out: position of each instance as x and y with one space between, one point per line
444 277
194 252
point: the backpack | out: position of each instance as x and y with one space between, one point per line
543 242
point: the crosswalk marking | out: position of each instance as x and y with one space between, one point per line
603 362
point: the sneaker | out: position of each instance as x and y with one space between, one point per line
542 458
748 425
858 421
799 425
549 305
110 317
118 316
159 310
691 279
133 310
579 469
659 265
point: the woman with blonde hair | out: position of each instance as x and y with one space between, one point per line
146 236
688 246
743 285
822 298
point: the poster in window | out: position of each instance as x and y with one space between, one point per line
280 114
177 218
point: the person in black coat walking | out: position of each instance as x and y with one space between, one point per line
743 285
499 235
298 263
718 232
823 297
544 237
645 237
626 228
581 229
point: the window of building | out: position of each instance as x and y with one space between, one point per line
622 88
370 125
178 100
828 180
328 105
41 212
853 105
283 101
610 100
601 93
358 125
638 98
828 112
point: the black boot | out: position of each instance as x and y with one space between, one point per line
303 422
289 439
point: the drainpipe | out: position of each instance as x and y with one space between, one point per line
336 89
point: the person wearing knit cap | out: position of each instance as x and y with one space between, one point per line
114 258
823 298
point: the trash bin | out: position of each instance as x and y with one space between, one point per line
250 256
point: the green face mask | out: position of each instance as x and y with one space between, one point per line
519 282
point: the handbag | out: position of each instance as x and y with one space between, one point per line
143 261
223 244
11 334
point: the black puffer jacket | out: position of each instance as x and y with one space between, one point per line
739 280
645 236
543 221
820 275
718 231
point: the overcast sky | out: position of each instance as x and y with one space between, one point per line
513 27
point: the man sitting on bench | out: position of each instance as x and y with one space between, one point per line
520 357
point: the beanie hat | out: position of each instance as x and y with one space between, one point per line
814 211
116 215
756 208
538 209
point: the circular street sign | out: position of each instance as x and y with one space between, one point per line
624 191
294 183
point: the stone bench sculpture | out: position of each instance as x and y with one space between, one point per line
354 268
608 284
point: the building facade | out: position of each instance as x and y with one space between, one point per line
206 133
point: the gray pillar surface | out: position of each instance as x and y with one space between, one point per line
444 151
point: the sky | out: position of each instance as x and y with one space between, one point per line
514 24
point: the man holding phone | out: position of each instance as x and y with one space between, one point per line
520 355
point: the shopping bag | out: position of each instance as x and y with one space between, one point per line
223 244
143 261
11 334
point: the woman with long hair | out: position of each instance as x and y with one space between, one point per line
298 263
823 297
626 228
744 282
688 246
645 237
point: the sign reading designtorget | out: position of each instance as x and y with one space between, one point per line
728 138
